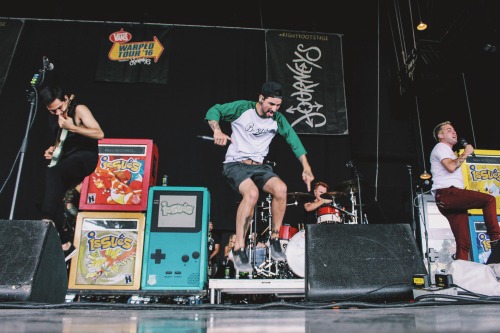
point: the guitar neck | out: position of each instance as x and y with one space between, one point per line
61 137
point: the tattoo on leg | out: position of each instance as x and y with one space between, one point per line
274 231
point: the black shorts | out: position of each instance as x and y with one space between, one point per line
237 172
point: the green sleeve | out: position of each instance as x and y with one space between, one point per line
228 111
291 137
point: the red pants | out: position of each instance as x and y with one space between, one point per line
454 202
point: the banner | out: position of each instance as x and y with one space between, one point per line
310 68
134 53
482 173
10 30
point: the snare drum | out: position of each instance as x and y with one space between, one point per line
328 214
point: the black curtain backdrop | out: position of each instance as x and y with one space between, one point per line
209 65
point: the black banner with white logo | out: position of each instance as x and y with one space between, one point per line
310 68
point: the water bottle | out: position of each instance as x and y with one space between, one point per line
164 180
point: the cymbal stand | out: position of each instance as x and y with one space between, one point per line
337 206
354 212
350 164
265 268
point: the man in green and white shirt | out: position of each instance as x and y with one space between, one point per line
254 125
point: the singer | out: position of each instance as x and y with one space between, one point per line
254 125
76 134
452 199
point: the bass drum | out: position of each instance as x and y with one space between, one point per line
296 253
286 233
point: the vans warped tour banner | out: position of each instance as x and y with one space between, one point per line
134 53
310 68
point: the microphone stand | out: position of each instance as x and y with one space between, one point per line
413 225
426 234
32 98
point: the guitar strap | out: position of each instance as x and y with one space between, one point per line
71 111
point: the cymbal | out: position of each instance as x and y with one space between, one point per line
297 195
329 195
348 185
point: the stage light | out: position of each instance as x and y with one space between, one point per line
421 26
425 175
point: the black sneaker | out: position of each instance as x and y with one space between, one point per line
494 257
70 253
276 252
241 262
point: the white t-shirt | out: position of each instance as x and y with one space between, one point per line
440 176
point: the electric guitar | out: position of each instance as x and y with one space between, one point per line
61 137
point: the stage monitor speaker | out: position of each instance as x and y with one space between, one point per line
32 266
367 262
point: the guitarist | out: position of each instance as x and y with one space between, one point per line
77 158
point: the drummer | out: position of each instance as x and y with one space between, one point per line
311 207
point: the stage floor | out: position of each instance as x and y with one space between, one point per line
271 317
248 305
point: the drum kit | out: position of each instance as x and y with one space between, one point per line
291 243
333 212
352 188
292 239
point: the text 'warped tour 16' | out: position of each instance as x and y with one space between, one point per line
125 171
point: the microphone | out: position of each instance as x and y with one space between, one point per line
47 65
204 137
349 164
464 143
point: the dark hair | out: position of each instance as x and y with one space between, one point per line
50 93
271 89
